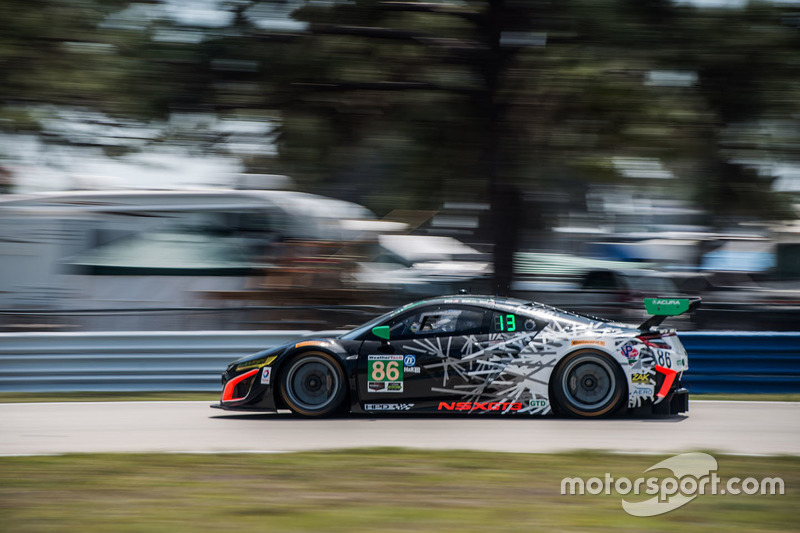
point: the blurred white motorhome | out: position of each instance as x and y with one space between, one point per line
135 249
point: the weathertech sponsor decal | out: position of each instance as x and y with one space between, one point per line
480 406
581 343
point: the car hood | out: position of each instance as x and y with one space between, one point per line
276 350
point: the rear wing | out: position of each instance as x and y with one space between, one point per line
661 308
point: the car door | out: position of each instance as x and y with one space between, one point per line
424 359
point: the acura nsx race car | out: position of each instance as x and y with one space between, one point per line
473 355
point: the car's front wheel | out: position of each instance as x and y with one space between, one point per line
313 384
588 384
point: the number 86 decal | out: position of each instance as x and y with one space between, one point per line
385 372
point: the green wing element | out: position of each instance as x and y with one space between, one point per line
660 308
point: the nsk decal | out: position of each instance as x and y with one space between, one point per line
385 373
480 406
581 343
311 343
388 406
266 374
640 378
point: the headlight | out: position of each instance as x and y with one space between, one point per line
256 363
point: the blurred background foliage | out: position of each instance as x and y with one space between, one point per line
406 104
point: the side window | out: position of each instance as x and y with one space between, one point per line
511 323
438 321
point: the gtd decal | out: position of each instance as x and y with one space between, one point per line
479 406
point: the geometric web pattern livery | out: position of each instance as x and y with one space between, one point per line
510 367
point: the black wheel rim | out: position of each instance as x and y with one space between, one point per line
313 383
589 382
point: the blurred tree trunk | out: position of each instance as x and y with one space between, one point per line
504 199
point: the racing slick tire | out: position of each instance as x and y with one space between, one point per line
588 384
313 384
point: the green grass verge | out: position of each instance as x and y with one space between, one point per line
364 490
30 397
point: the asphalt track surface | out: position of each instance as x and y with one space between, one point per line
192 427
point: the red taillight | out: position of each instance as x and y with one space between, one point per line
227 394
654 341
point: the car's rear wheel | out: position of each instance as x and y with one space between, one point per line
588 384
313 384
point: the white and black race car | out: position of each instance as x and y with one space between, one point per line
473 355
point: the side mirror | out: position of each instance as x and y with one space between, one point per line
382 332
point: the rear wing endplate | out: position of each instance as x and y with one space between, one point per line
661 308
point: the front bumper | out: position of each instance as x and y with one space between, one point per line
246 391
